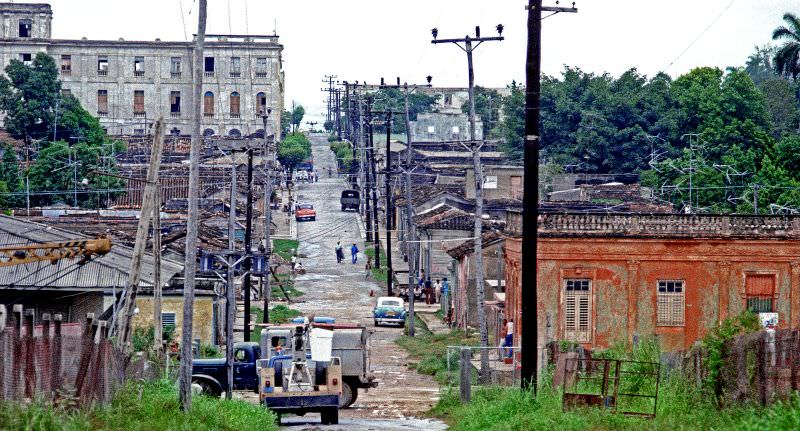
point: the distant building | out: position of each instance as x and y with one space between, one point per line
128 84
443 126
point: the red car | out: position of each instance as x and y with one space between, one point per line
305 212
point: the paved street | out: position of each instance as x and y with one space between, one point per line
341 291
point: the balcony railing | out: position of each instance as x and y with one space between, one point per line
208 114
174 115
236 74
102 73
670 225
175 74
102 113
209 74
66 72
138 73
234 115
139 114
261 74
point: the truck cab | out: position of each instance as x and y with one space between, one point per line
210 375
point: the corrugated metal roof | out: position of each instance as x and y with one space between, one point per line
101 273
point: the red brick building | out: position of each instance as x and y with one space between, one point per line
605 278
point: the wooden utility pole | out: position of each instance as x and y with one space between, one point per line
230 288
190 263
478 185
365 175
158 333
388 167
410 234
248 243
530 199
127 302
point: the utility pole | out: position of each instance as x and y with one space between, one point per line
373 182
268 164
126 303
365 185
158 334
248 244
347 126
410 234
388 164
190 263
230 296
311 124
478 185
530 200
338 92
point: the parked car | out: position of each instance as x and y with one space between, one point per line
389 310
350 199
305 212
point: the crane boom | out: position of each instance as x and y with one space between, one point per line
54 251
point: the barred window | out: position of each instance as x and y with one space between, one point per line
167 321
578 310
671 303
760 292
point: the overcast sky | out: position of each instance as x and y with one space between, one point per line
367 39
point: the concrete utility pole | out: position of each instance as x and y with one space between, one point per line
373 181
365 165
410 234
230 296
268 164
338 93
127 302
158 333
530 199
388 164
478 169
190 263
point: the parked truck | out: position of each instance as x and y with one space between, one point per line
350 344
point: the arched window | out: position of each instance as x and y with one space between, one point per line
261 103
235 104
259 134
234 133
208 104
208 132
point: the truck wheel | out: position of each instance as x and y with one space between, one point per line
205 388
344 208
349 395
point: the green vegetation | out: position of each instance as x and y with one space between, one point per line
294 148
379 272
277 314
141 406
143 338
32 103
210 351
714 343
430 350
344 155
681 406
285 247
393 99
787 58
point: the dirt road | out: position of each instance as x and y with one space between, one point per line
342 291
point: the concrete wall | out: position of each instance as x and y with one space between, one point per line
625 273
443 125
202 321
503 174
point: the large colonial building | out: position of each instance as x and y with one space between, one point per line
127 84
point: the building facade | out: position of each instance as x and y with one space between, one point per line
128 84
605 278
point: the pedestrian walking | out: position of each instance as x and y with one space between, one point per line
354 253
446 290
294 261
339 252
437 290
368 268
428 291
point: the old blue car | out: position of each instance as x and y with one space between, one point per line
389 310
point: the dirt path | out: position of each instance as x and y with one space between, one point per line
341 291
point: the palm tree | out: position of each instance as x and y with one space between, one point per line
787 59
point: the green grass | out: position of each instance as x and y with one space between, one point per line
285 247
277 314
288 285
141 406
681 407
430 350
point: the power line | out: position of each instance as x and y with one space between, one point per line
700 35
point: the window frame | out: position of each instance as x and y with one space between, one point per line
760 299
26 23
102 102
573 300
667 301
138 102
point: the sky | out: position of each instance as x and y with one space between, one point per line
365 40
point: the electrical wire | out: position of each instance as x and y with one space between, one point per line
700 35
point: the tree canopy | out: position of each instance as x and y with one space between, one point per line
294 149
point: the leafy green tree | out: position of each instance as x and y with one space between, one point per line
28 96
511 128
294 149
286 123
328 125
10 177
782 105
787 59
394 99
297 116
759 64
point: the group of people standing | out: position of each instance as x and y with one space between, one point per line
340 253
433 291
